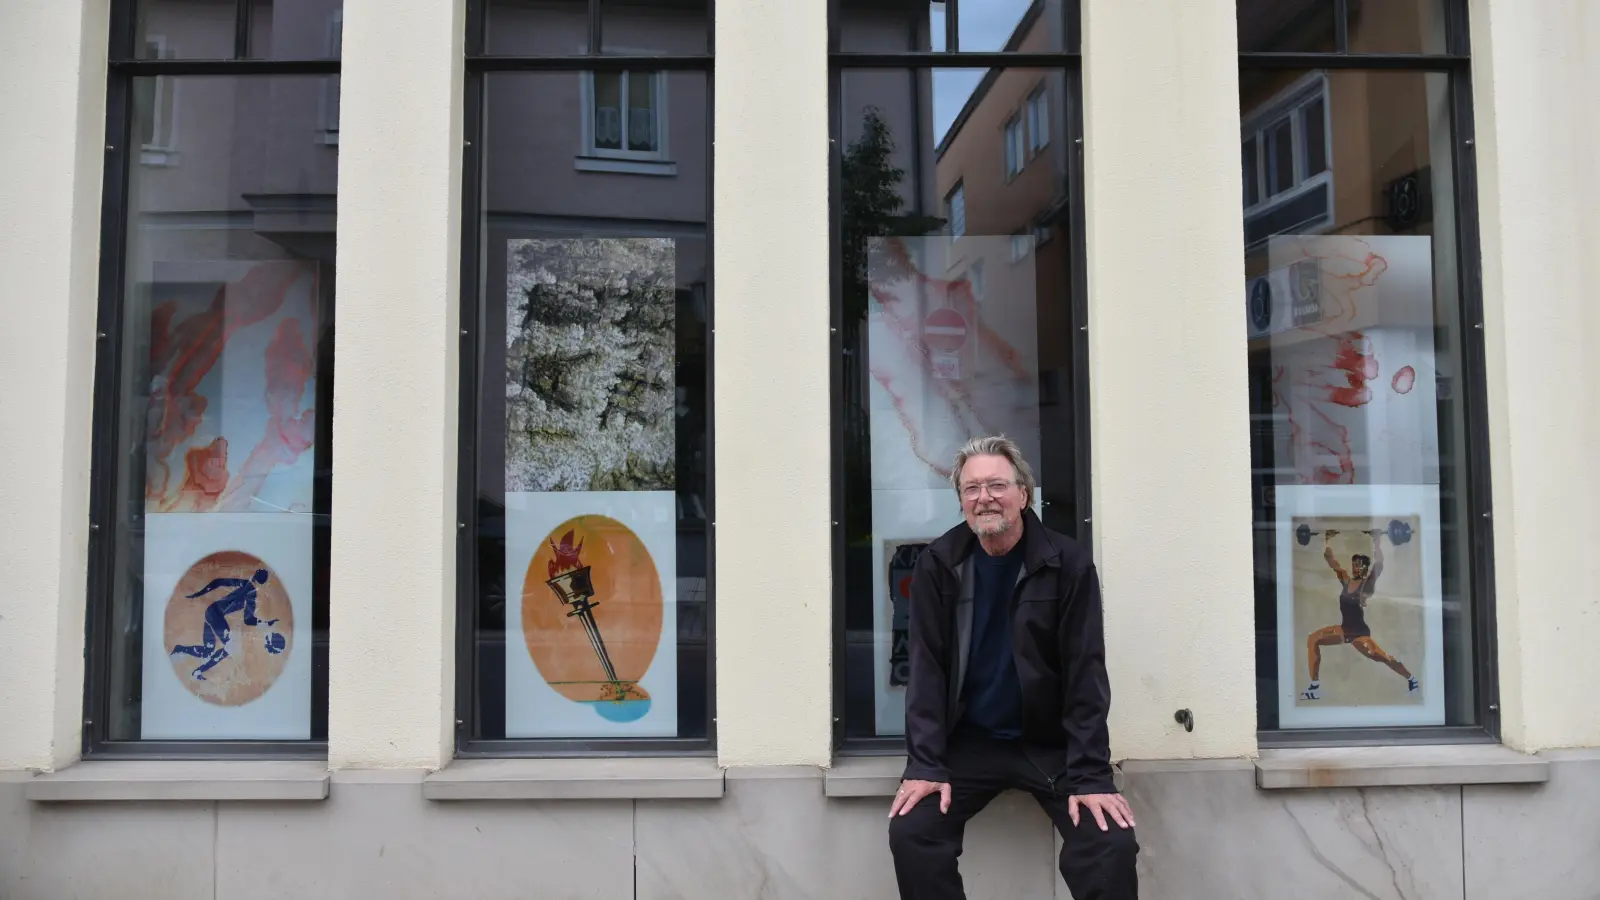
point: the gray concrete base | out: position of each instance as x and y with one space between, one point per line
1207 832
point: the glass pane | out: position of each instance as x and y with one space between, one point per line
1286 26
296 29
642 125
1364 601
220 613
1314 115
185 29
628 27
593 464
943 339
990 26
638 27
608 110
1280 144
1252 173
205 29
1397 26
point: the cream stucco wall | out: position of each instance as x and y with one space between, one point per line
1168 402
771 402
53 66
391 700
1537 90
1171 491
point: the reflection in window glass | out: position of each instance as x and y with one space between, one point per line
988 26
943 339
219 604
1363 601
628 27
591 616
1397 26
207 29
1286 26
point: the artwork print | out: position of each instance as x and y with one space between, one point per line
230 421
591 639
590 399
1354 372
952 348
1360 624
224 654
230 627
591 615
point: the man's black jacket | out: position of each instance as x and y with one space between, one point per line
1057 641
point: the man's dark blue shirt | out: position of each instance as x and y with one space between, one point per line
991 691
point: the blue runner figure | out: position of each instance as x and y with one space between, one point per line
213 648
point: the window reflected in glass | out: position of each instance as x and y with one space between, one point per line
591 618
219 604
1354 323
956 321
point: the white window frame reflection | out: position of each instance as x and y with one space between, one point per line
328 113
1289 105
162 148
1015 157
640 162
1038 107
956 203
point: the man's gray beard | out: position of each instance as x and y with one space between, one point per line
1002 528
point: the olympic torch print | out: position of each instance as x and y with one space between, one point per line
592 615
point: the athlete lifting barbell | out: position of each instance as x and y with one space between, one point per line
1355 588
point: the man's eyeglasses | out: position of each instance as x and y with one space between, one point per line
994 488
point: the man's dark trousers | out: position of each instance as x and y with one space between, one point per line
1096 865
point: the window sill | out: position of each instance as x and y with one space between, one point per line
154 780
879 776
678 778
1403 766
625 166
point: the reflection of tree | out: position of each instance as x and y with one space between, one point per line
589 365
873 207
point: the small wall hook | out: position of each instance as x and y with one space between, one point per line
1184 718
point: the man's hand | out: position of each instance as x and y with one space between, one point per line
1101 805
912 791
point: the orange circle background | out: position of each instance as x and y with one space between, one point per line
627 590
249 670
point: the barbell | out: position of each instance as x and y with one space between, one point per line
1399 532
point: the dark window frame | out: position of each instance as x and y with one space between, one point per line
479 64
1069 62
124 66
1455 64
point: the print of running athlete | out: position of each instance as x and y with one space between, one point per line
1355 588
214 643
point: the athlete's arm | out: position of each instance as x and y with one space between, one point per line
250 613
215 584
1333 561
1377 556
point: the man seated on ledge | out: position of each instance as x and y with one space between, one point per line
1008 689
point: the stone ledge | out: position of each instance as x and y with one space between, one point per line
156 780
674 778
1399 766
879 776
863 776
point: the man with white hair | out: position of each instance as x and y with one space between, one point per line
1008 689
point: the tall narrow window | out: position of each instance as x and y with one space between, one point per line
208 602
1373 604
585 611
954 311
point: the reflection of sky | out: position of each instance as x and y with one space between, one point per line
986 25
